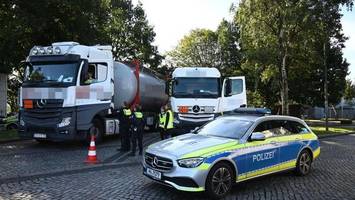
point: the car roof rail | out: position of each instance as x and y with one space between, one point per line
251 111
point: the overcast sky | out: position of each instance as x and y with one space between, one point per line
172 19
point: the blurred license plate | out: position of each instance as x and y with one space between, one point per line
39 135
153 173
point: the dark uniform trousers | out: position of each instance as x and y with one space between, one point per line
125 131
137 131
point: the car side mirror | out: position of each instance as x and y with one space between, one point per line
257 136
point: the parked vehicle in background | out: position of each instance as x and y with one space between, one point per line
11 122
230 149
198 95
71 91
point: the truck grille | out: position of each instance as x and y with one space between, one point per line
196 117
46 111
157 162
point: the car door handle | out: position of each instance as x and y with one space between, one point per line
273 142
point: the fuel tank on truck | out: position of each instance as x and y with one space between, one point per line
151 88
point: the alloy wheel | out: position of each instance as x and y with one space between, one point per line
221 181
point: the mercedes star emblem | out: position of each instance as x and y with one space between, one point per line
196 109
155 161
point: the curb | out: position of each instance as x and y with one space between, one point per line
334 135
13 140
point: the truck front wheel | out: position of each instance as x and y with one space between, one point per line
96 130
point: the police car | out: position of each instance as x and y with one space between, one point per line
232 149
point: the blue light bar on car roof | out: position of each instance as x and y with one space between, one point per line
253 111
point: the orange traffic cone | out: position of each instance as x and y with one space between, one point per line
92 159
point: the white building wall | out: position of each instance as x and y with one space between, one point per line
3 94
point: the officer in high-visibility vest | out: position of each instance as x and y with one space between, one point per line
168 119
125 123
137 130
162 116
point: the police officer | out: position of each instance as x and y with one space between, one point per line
168 119
162 116
125 123
137 130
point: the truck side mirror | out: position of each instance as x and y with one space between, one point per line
228 88
84 73
169 87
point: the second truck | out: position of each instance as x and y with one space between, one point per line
200 94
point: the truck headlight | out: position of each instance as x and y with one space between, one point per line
22 123
176 121
190 162
65 122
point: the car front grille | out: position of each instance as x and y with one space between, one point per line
157 162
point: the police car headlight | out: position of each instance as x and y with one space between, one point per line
65 122
190 162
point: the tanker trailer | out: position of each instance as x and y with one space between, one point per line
139 85
72 91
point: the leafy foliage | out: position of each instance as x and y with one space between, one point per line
90 22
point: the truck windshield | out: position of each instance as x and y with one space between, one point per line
196 88
226 127
51 73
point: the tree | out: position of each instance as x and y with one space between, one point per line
281 43
273 27
349 93
199 48
90 22
228 40
130 34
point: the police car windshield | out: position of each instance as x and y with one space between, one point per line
226 127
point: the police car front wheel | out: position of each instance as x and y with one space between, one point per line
219 180
304 163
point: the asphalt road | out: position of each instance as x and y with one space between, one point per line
56 171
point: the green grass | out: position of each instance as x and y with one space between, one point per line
320 130
8 135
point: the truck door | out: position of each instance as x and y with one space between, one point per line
233 94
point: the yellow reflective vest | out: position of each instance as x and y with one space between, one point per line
162 118
171 119
127 112
138 115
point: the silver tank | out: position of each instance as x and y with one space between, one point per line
151 88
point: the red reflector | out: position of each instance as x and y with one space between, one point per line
183 109
28 103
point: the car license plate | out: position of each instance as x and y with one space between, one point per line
39 135
153 173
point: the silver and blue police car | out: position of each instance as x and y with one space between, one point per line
232 149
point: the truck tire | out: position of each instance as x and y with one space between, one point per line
97 130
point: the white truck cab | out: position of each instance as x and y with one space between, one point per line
198 95
73 91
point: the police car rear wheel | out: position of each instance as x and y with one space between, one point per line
219 181
304 163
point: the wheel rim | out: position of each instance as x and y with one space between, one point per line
305 163
221 181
